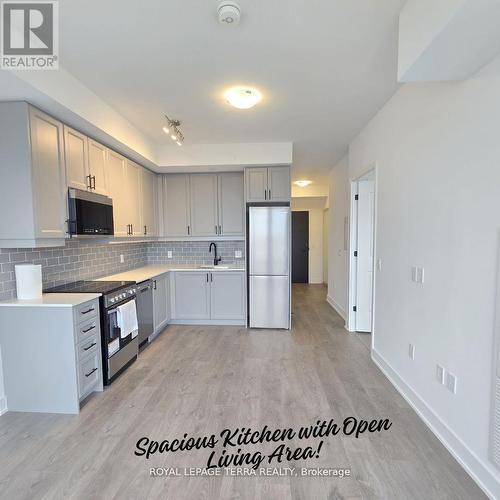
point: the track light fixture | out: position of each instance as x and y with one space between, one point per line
172 129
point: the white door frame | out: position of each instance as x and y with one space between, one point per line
370 172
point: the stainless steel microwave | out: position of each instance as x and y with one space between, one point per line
90 214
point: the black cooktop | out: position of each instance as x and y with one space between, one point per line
90 287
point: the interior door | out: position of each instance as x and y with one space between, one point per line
116 173
204 220
364 259
231 204
97 167
300 247
75 152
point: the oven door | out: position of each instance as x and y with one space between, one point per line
113 340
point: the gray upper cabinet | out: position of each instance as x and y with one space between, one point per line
203 193
267 184
97 154
75 154
116 176
278 184
231 206
33 197
256 184
176 210
148 195
132 189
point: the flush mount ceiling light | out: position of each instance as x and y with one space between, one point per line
242 97
172 129
303 183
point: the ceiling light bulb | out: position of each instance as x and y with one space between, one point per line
242 97
174 137
179 143
303 183
166 130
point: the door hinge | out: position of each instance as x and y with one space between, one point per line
354 308
356 197
355 253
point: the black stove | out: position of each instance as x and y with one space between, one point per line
118 351
103 287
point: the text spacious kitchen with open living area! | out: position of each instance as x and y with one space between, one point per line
250 250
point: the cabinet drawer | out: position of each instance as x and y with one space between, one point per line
87 329
89 374
89 346
86 311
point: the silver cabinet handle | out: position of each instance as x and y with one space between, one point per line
269 194
207 277
211 277
220 229
216 232
88 329
89 347
91 372
88 311
131 229
93 182
265 194
89 181
189 231
145 230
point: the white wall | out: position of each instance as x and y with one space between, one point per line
315 207
437 149
338 255
3 400
326 225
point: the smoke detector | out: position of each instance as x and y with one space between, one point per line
229 13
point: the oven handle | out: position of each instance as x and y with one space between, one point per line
111 311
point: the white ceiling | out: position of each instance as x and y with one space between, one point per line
324 66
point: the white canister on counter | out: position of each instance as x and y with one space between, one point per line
28 281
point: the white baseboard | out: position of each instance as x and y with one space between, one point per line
3 405
337 307
482 473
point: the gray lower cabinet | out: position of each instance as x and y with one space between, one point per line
227 295
161 301
53 361
192 295
201 296
33 198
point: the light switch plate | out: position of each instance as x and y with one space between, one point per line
420 274
414 274
451 382
440 374
237 254
411 351
379 264
169 254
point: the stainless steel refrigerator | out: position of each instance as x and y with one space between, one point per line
269 266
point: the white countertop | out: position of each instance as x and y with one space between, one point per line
53 300
147 272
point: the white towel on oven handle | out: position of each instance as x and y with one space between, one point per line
126 316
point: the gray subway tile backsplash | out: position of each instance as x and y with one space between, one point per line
86 259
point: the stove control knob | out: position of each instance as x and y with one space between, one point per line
112 300
131 292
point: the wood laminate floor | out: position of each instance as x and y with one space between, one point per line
200 380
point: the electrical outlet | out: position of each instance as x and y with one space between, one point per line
237 254
379 264
414 274
411 351
451 382
169 254
122 259
440 374
420 275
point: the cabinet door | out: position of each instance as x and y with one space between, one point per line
278 184
75 155
148 197
97 167
204 205
227 295
49 180
160 302
116 176
176 205
133 195
256 184
231 204
192 295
